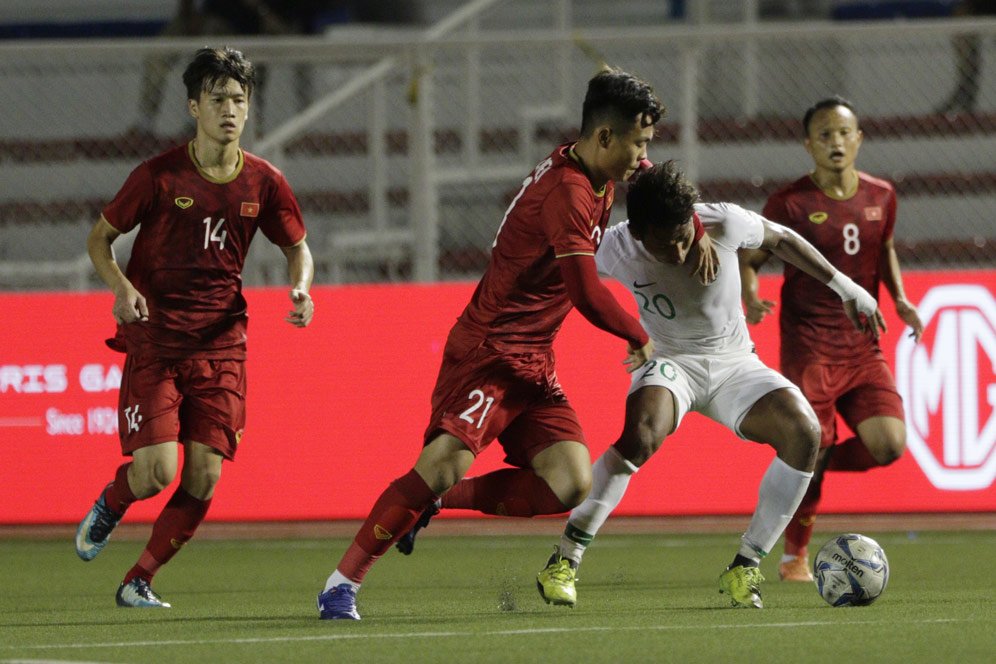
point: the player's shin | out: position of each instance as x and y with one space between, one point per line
779 495
610 477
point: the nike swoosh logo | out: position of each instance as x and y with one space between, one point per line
636 285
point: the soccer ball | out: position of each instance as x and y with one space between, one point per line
851 570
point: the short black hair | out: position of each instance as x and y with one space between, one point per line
211 66
616 98
828 102
660 197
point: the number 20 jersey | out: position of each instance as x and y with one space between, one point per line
194 234
851 234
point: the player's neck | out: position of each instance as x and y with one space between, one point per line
219 160
837 184
584 154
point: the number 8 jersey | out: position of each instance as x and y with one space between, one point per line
851 234
194 234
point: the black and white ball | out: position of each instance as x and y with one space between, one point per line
851 570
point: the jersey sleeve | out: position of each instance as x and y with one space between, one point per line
281 220
890 216
566 217
608 256
133 202
744 227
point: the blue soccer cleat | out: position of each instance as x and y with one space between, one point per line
138 594
338 603
407 542
95 529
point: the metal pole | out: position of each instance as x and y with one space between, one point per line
424 198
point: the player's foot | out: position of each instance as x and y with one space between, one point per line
407 542
556 581
95 529
138 594
743 585
796 569
338 603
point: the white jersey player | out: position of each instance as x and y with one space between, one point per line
704 361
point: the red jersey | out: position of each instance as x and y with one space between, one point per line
193 237
521 301
851 235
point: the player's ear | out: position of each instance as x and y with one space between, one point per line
604 135
192 108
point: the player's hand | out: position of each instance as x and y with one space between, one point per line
755 309
863 320
129 305
637 357
908 314
707 266
304 308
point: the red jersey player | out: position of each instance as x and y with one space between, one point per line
181 314
497 378
849 216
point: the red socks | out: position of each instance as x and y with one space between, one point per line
393 515
506 492
851 455
174 527
118 495
800 529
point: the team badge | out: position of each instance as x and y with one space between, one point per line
818 217
249 210
382 533
183 202
873 213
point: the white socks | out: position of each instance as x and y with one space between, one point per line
609 478
337 579
782 489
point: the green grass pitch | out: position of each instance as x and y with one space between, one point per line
642 598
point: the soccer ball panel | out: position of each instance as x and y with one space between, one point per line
851 570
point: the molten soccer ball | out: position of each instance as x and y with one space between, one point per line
851 570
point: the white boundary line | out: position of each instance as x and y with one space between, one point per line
462 634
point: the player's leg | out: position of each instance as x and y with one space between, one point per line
443 461
872 407
821 385
148 422
650 416
784 420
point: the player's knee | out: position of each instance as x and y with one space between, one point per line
153 476
640 442
890 448
804 440
575 492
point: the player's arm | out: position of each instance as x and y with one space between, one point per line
751 261
596 303
893 280
792 248
129 304
301 268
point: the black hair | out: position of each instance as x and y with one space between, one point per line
828 102
661 198
211 66
617 98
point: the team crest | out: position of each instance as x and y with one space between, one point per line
382 533
818 217
249 210
873 213
183 202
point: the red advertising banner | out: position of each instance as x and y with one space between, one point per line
337 410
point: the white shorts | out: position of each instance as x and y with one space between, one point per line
722 387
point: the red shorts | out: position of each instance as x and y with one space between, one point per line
182 400
856 391
482 394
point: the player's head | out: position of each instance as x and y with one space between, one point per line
219 83
660 205
833 136
617 121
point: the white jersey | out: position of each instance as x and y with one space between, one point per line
679 313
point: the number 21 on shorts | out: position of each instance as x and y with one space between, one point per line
478 399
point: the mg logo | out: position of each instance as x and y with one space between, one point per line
949 388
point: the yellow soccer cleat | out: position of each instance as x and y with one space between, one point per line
742 584
556 581
796 569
